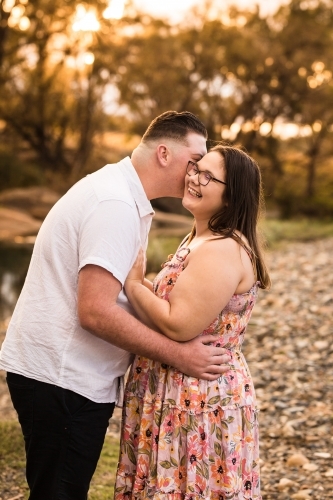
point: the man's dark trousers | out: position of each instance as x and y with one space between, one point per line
64 435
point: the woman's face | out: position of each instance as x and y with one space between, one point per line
205 201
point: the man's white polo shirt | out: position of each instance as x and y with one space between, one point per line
101 220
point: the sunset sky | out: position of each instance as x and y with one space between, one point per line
175 9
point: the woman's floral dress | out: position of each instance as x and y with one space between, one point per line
184 438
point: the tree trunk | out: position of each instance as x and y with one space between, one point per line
313 154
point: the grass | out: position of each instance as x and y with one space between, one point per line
12 461
12 465
277 231
101 487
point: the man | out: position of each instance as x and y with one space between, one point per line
72 330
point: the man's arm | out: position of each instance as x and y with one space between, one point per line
99 314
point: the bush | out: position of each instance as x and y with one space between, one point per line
15 172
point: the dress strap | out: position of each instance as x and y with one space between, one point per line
184 240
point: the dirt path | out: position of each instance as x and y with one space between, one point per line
289 350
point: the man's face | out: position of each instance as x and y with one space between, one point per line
194 149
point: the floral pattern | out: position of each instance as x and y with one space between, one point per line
184 438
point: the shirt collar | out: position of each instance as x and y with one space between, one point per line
143 204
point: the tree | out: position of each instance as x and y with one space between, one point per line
50 89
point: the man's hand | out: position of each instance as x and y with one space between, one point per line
198 359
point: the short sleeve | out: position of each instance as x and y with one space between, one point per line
110 238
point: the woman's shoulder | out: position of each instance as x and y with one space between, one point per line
215 247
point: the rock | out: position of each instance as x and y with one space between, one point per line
329 473
321 345
16 224
36 201
311 467
297 460
302 495
285 484
322 454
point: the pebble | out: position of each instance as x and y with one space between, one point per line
297 460
285 484
322 454
310 467
302 495
289 351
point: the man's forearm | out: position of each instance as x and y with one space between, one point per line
125 331
192 358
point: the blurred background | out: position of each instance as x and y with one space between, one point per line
80 82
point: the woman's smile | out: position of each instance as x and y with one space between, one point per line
193 192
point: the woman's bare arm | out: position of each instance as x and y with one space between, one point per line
202 290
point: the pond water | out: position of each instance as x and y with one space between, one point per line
14 263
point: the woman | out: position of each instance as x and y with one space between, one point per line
185 438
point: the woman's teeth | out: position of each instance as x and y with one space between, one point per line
194 193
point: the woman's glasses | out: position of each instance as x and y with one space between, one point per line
203 177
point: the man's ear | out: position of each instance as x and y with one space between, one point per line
163 154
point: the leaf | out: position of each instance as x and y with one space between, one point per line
205 468
130 453
174 462
225 401
192 422
219 433
165 464
144 451
199 469
157 417
120 488
152 383
214 400
153 471
165 411
217 448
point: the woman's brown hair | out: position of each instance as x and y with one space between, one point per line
243 199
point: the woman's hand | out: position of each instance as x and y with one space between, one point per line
137 273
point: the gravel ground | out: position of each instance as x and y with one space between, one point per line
289 350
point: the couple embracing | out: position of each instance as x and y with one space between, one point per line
189 427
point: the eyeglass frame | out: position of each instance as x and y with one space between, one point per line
195 165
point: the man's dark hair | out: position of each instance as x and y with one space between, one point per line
174 125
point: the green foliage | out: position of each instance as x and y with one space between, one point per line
278 232
159 248
15 172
